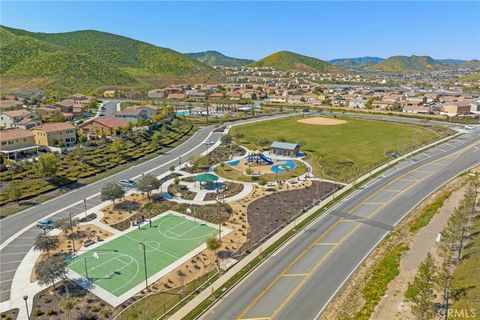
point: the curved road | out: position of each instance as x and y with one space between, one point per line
299 280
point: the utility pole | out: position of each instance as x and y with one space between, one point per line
85 206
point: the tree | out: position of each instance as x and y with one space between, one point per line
226 139
112 191
47 164
66 225
156 138
421 291
69 305
14 191
116 146
213 243
445 251
45 243
51 269
147 184
58 117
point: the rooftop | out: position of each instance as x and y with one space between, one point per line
284 145
14 133
54 127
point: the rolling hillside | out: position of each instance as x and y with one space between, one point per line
215 58
290 61
128 61
27 62
404 64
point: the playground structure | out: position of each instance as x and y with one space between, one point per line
257 164
258 159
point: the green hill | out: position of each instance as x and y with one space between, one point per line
215 58
121 60
404 64
290 61
473 64
472 77
27 62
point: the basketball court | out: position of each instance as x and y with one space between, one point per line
115 269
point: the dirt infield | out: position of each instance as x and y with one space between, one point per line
319 121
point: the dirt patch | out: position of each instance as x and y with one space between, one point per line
113 214
52 303
231 189
66 241
393 306
320 121
275 210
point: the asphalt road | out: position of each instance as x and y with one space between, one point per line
299 280
17 232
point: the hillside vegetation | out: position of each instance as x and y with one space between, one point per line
290 61
103 60
215 58
404 64
356 63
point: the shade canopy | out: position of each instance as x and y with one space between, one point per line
206 177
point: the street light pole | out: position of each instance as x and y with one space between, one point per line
85 206
25 298
86 269
71 230
145 264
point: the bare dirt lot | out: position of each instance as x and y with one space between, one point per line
319 121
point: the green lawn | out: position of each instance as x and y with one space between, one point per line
340 152
120 266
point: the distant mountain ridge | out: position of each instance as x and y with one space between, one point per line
128 61
291 61
356 64
215 58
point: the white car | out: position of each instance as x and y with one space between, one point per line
128 183
470 128
208 142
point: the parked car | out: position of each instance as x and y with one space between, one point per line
46 224
128 183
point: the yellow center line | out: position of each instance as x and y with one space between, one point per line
326 243
264 291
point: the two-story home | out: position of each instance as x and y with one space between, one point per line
16 142
18 119
55 135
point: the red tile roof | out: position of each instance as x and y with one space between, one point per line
14 133
54 127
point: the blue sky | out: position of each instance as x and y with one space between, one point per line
325 30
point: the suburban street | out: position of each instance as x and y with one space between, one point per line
299 280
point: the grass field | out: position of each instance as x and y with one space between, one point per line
340 152
120 265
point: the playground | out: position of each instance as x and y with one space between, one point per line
261 164
117 267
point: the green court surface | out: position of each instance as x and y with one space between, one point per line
117 265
